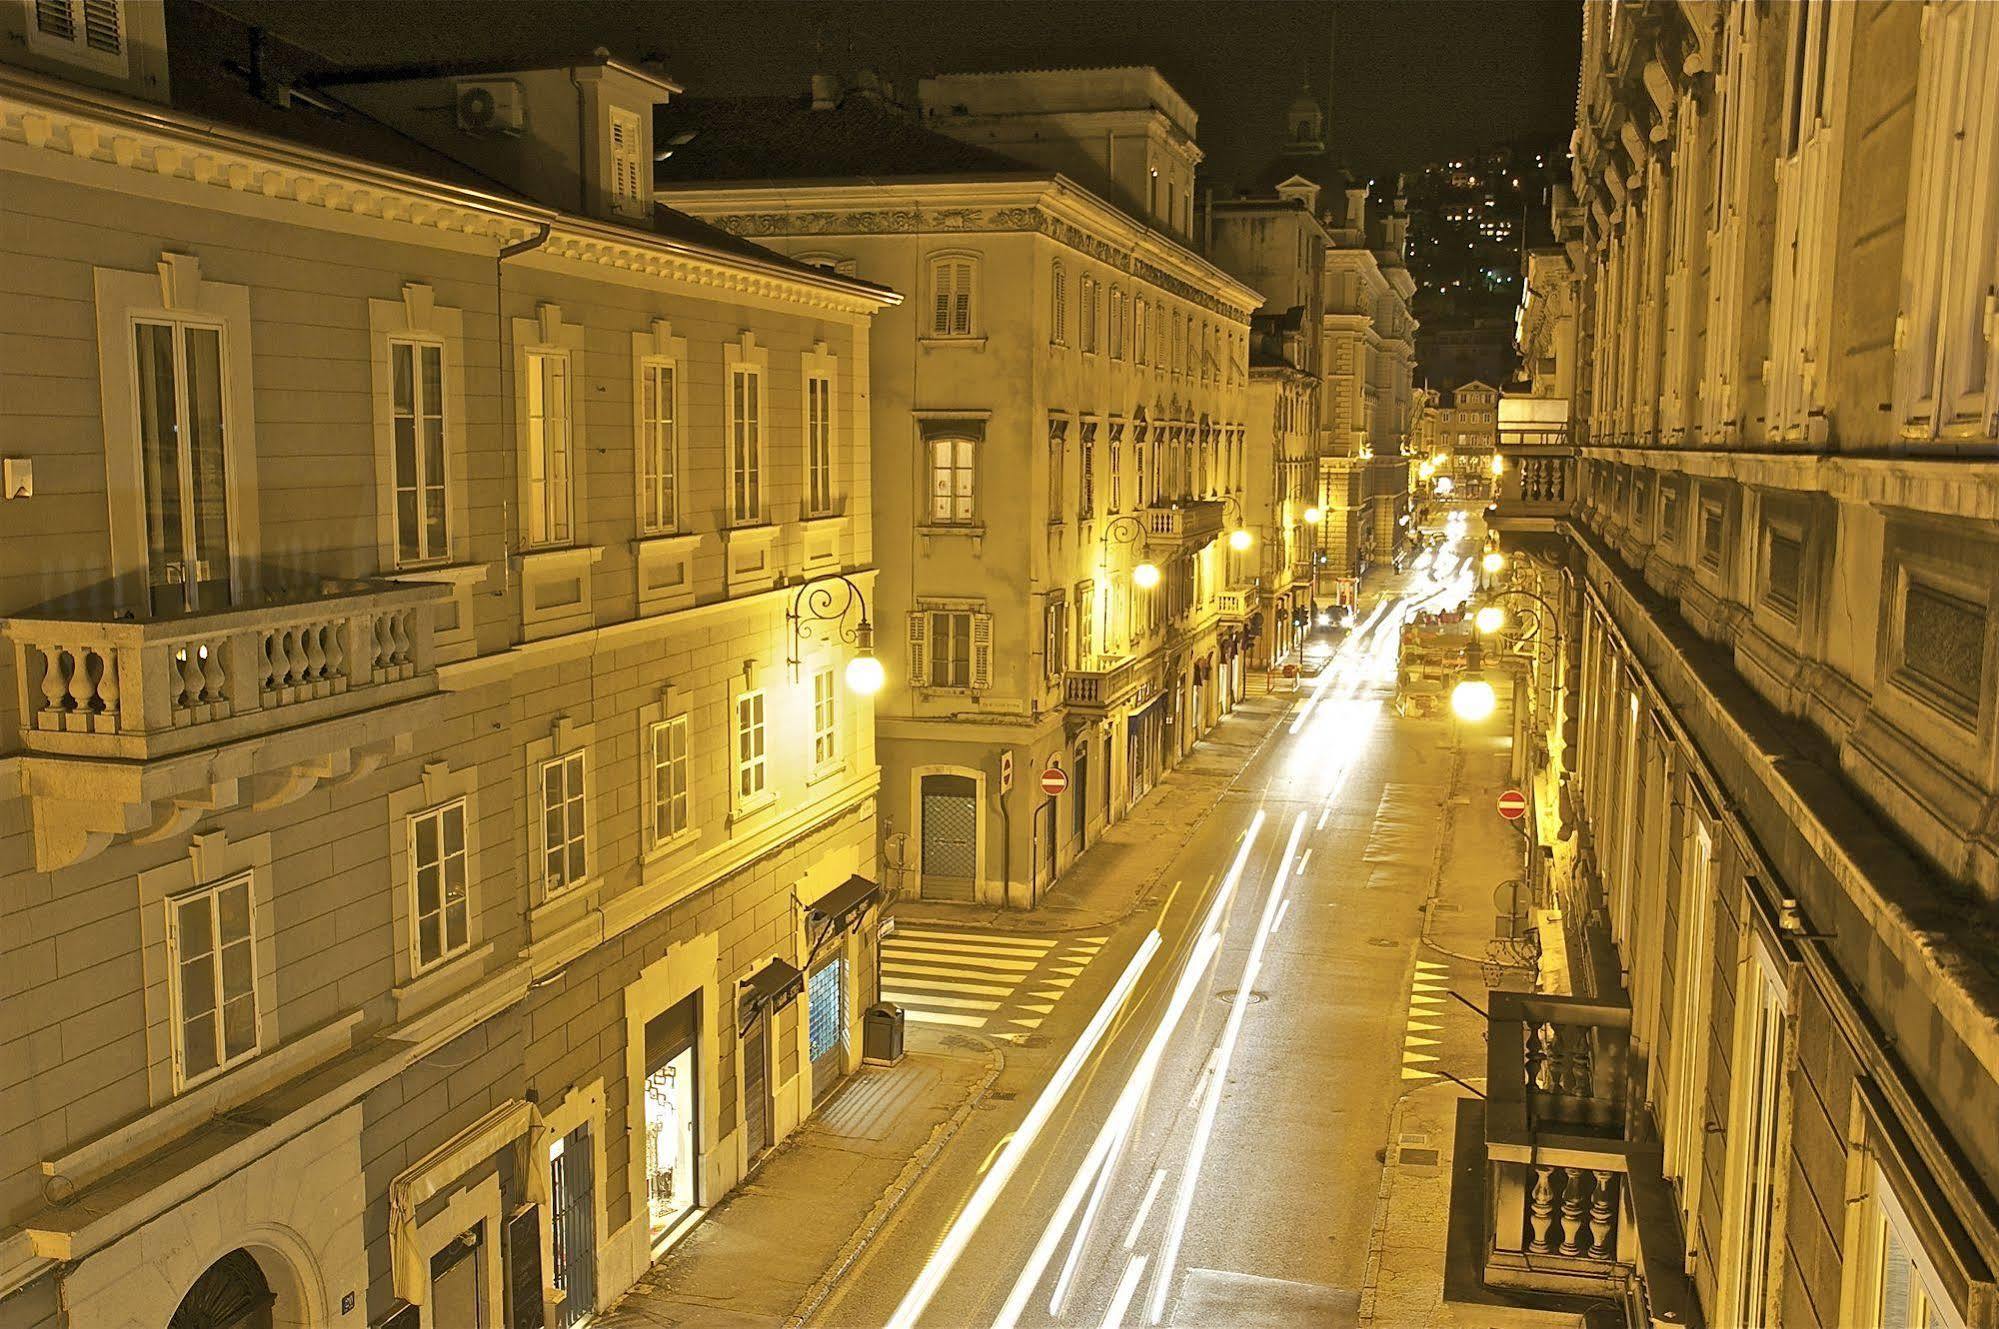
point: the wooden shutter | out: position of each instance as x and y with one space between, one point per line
100 26
524 1308
940 286
982 652
919 649
961 299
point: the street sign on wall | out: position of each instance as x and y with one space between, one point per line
1054 780
1513 805
1006 770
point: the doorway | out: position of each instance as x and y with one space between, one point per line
573 1220
756 1086
672 1116
826 1025
950 810
1044 846
1079 798
179 384
232 1294
456 1296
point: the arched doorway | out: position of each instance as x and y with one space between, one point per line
950 813
232 1294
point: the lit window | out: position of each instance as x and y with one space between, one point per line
212 945
669 779
416 372
440 903
746 462
825 720
818 445
565 840
953 477
549 457
752 774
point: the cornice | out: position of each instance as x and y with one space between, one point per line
1053 206
109 133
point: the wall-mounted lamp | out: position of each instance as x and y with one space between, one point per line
831 599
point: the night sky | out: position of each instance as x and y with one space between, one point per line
1414 80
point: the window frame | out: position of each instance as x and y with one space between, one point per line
541 530
629 197
577 834
415 343
77 49
176 995
658 460
748 460
953 305
955 468
446 953
746 763
656 800
825 706
819 435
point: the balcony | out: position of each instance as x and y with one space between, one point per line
1572 1207
120 718
1190 522
1237 603
1101 683
1535 493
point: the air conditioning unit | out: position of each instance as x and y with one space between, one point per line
490 107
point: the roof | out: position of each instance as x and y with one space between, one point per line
1321 168
784 138
486 68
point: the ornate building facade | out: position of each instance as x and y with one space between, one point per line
1059 416
430 857
1773 540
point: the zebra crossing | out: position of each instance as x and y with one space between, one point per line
995 981
1420 1036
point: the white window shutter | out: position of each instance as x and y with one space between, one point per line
982 652
919 649
102 30
961 299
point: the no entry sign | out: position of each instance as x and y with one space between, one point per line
1513 805
1054 780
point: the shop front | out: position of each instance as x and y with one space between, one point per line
835 990
672 1097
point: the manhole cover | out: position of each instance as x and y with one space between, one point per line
1418 1157
1381 941
1229 994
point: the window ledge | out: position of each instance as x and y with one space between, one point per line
830 771
444 979
576 895
976 530
743 812
972 343
451 574
672 844
664 539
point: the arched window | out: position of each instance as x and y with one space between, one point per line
953 294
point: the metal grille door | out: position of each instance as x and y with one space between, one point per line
571 1187
756 1094
950 837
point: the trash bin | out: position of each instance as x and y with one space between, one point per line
881 1035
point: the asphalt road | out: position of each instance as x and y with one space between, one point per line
1195 1136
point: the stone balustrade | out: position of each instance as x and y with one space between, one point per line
1537 486
139 689
1238 602
1190 521
1100 682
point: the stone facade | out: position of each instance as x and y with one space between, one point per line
1775 551
243 801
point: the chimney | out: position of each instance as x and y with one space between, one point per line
825 91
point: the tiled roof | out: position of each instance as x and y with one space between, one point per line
783 138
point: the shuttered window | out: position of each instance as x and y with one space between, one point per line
86 32
951 293
628 182
951 648
1058 304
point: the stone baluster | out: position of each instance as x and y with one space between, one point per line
214 677
81 696
1573 1208
107 683
1540 1209
336 650
187 668
55 685
399 633
1601 1214
315 653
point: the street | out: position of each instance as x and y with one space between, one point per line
1195 1136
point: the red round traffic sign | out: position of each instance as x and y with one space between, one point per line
1513 805
1054 780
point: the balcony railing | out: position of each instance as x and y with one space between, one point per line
1190 521
1100 682
1537 487
1237 602
141 689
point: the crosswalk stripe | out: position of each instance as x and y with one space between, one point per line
927 999
1411 1041
1098 940
945 1017
1033 1022
974 939
1409 1074
914 944
1039 1010
950 971
1426 1028
1020 967
950 985
1063 969
1415 1058
1432 965
1056 995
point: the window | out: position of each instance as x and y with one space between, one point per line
1178 346
818 445
659 446
953 480
1054 637
1943 649
438 873
1086 501
1086 621
1058 465
752 774
1088 328
669 779
565 840
1783 571
212 949
1711 533
180 375
950 650
416 371
1758 1083
746 446
1138 330
630 186
1898 1286
951 279
549 456
1058 304
1116 489
1117 322
85 32
1686 1087
825 720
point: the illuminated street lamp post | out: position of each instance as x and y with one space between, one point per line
829 600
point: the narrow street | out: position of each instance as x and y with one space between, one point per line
1195 1135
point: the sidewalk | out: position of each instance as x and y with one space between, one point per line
1120 870
768 1253
1424 1248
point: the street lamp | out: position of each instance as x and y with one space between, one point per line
829 599
1489 619
1314 515
1494 561
1129 530
1472 697
1240 537
1145 576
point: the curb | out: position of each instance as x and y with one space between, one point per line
1377 1236
892 1196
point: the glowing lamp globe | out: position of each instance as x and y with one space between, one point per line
1239 539
865 675
1489 619
1444 484
1493 561
1313 516
1145 576
1498 464
1473 699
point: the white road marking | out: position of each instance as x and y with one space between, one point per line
1144 1208
949 1003
1282 910
945 1017
1127 1288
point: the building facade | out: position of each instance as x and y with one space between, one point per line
1059 416
1772 541
1468 430
431 861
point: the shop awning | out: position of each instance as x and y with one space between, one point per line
775 984
844 901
